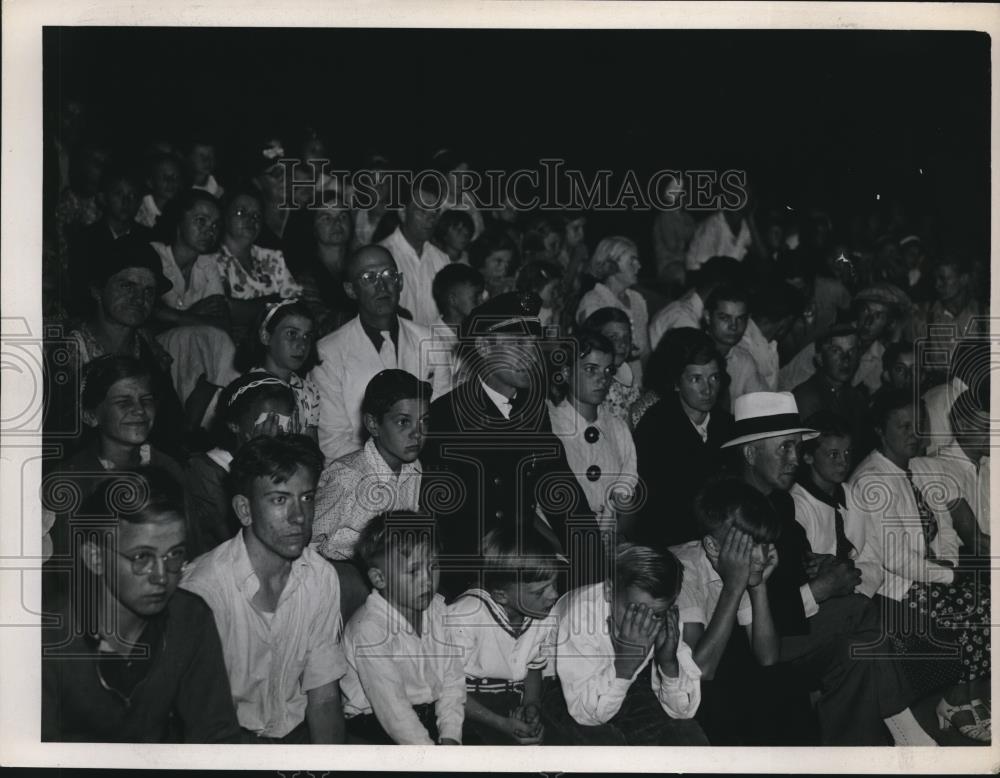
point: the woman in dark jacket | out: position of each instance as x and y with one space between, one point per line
677 439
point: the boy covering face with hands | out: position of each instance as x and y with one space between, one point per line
627 677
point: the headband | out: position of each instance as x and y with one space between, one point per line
268 380
271 308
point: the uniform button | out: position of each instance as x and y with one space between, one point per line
497 481
499 515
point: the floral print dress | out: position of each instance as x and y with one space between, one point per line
267 275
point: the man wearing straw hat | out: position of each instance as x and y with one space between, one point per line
816 613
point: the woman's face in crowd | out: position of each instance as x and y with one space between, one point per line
589 382
127 413
831 460
574 233
166 180
128 296
948 282
290 342
332 226
699 386
244 218
399 435
199 227
620 335
465 297
458 236
873 319
628 268
497 264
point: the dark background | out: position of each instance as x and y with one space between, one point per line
817 117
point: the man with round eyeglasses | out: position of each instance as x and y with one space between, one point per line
126 657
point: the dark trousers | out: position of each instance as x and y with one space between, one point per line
641 721
844 656
368 729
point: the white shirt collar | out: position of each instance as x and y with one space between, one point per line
502 403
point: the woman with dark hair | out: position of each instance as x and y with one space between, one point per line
495 256
118 405
614 324
598 444
677 440
452 235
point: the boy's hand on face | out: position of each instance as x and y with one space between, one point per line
770 565
634 639
667 640
734 559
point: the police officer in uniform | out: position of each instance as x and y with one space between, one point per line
491 457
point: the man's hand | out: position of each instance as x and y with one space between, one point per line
734 559
836 580
634 639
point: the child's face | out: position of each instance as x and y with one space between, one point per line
458 237
291 341
497 264
533 599
590 380
410 580
620 335
832 459
464 298
399 436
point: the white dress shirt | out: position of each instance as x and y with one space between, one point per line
391 669
818 520
585 664
272 659
683 312
205 280
353 490
418 275
961 478
613 452
702 587
348 361
938 401
882 493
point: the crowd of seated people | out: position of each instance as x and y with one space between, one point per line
436 475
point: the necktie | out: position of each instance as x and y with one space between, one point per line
844 546
387 352
928 521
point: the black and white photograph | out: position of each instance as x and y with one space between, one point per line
510 375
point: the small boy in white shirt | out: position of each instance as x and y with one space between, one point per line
626 676
505 632
405 684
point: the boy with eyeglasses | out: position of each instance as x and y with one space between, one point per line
127 657
377 339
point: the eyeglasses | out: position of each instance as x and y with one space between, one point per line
386 277
143 562
251 216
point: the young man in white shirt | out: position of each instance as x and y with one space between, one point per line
415 256
626 676
276 602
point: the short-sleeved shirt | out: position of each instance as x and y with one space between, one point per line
272 659
203 282
702 587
